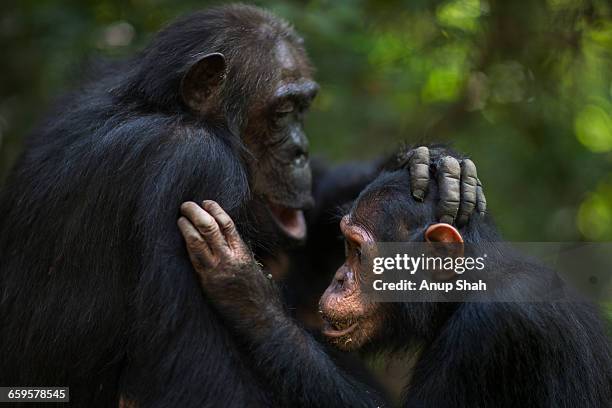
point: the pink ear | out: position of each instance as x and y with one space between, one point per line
443 232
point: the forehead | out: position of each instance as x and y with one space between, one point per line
292 61
376 212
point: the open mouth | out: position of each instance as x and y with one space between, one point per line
290 220
338 329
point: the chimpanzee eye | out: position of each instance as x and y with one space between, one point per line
351 249
284 108
358 253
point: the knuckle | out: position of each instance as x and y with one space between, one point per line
469 182
227 224
450 205
468 201
420 168
229 229
450 190
467 206
206 227
210 228
193 240
422 180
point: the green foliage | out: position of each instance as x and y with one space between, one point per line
524 87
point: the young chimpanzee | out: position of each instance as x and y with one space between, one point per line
472 354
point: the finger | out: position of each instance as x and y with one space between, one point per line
224 221
449 172
481 200
469 184
207 226
197 247
419 172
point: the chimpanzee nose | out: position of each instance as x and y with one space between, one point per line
299 146
301 157
342 280
339 284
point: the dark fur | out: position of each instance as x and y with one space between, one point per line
496 354
96 289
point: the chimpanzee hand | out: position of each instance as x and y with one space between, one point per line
227 270
212 240
250 304
459 187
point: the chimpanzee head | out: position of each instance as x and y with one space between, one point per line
241 68
385 211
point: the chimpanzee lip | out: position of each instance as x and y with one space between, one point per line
338 329
290 220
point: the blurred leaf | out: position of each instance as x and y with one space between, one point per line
462 14
594 128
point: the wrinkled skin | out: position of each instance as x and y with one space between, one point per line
272 128
350 318
219 246
461 191
226 268
275 136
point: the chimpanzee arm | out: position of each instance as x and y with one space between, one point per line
292 362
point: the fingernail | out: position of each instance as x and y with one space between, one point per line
418 194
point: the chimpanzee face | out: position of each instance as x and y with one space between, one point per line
382 213
351 319
275 135
272 127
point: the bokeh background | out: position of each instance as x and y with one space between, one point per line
524 87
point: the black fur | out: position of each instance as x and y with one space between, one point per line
96 290
488 354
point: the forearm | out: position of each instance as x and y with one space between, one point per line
303 373
288 357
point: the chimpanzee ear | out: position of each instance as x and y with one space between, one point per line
202 81
438 235
443 232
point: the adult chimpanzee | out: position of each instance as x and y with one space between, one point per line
95 289
472 354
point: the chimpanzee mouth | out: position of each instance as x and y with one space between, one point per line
338 329
290 220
